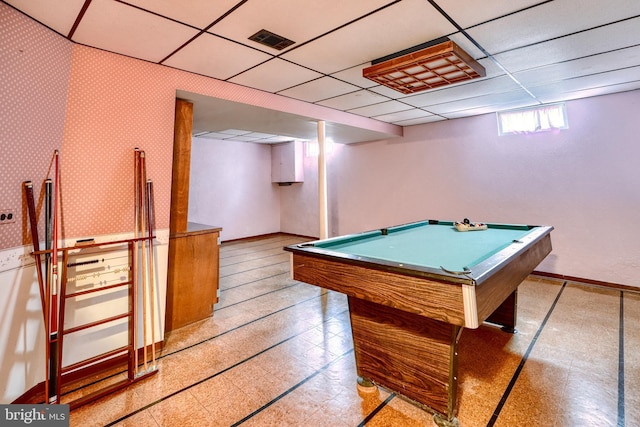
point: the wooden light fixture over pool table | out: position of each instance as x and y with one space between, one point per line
427 66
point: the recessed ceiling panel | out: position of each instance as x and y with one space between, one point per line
59 15
599 40
598 84
462 91
353 100
199 13
117 27
550 20
467 16
319 89
555 93
390 30
421 120
399 116
236 119
594 65
206 56
380 109
482 101
275 75
299 20
353 75
507 104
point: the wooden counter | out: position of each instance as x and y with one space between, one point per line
193 274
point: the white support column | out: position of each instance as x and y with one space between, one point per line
322 182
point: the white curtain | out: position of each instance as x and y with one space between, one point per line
533 120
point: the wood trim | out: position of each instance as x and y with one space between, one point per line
263 236
181 166
584 281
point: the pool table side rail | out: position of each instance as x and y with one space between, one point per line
418 271
488 267
430 298
497 286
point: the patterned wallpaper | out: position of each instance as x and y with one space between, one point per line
97 107
115 104
34 70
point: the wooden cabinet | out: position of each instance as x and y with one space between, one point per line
192 276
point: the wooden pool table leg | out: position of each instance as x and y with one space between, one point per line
506 313
411 355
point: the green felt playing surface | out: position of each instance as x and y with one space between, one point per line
429 245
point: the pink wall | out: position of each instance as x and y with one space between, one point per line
584 181
230 186
115 104
32 113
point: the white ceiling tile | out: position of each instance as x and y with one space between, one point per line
317 90
199 13
549 20
466 16
467 45
205 55
388 92
598 84
354 100
421 120
390 30
212 135
599 40
59 15
380 109
482 102
353 75
311 17
399 116
588 66
275 75
479 87
487 109
116 27
552 94
235 132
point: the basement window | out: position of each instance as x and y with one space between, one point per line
532 120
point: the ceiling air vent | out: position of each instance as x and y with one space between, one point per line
270 39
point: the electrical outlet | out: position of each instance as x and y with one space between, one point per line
7 216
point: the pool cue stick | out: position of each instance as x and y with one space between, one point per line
150 222
33 222
142 181
53 308
48 216
134 261
44 293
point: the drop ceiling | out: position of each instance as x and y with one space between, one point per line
534 52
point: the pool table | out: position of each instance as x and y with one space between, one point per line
413 288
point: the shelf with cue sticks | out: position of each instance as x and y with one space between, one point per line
88 269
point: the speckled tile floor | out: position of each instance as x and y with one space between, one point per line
278 353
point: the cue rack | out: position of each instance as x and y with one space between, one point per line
102 270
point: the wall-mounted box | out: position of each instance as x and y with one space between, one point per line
287 162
